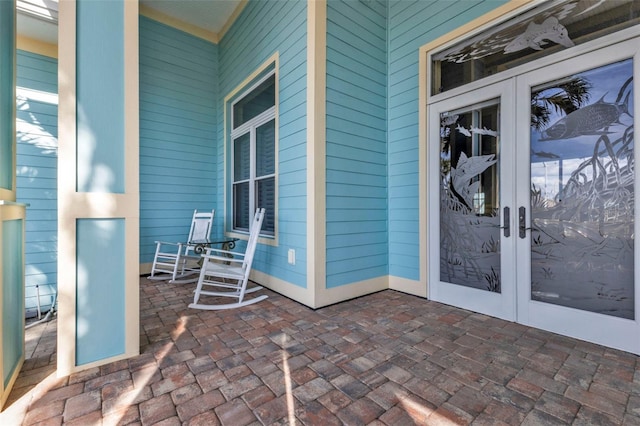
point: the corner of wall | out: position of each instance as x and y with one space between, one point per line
316 146
416 288
36 46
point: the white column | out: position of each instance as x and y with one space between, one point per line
98 195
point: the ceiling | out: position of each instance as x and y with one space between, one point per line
38 19
210 15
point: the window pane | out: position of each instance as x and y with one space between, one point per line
266 149
266 192
255 103
241 206
582 191
241 157
469 198
546 29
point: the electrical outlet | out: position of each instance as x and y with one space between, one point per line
292 257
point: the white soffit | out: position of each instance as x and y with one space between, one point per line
38 19
210 15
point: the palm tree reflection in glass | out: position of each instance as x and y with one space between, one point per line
582 234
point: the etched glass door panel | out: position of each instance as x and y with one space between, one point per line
576 184
582 191
469 201
471 187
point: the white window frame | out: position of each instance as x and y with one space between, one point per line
250 127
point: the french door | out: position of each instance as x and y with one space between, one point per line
576 265
471 201
532 198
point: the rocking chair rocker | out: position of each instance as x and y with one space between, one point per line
228 273
177 262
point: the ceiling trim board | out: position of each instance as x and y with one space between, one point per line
233 18
179 24
32 45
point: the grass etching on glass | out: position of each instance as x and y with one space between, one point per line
469 219
582 228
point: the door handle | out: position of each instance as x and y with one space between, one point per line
506 220
522 221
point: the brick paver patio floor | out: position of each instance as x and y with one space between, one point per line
383 359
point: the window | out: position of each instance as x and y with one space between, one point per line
548 28
253 149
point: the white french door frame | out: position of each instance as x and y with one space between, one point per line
603 329
500 304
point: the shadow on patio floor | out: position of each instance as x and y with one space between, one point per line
387 358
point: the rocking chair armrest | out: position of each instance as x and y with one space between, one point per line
223 253
169 243
222 258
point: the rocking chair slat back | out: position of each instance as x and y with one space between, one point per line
176 261
228 273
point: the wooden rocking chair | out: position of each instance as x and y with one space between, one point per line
228 273
178 262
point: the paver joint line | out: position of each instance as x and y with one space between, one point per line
383 359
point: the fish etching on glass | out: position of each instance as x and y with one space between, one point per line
463 130
476 130
495 40
588 120
463 187
544 154
536 34
484 131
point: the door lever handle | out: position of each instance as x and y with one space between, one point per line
522 222
507 222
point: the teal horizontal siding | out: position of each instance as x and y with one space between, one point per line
357 241
43 192
373 109
178 153
36 72
359 122
287 163
356 178
262 29
412 24
294 129
353 140
344 88
44 258
359 156
36 174
169 86
42 245
368 69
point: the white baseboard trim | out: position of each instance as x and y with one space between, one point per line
329 296
292 291
145 268
325 297
405 285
